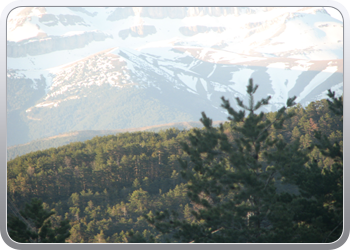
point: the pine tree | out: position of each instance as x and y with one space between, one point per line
100 238
335 104
41 230
231 183
295 134
319 208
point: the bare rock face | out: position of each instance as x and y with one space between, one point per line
52 20
138 31
151 12
176 12
179 69
193 30
120 13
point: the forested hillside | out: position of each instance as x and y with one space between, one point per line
83 135
107 185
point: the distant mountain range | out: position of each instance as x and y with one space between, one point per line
78 69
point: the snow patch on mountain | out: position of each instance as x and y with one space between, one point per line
239 78
26 31
303 65
278 82
220 53
319 78
189 81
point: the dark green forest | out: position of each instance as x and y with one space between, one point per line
258 177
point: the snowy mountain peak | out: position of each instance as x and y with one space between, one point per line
180 60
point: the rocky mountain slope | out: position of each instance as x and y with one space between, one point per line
72 69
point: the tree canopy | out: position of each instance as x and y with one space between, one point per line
259 177
232 184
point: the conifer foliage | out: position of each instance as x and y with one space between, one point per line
259 177
320 204
41 229
231 183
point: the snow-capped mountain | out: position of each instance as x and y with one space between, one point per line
113 68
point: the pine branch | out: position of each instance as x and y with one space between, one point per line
333 231
18 214
268 180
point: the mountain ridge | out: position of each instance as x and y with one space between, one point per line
131 76
83 135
